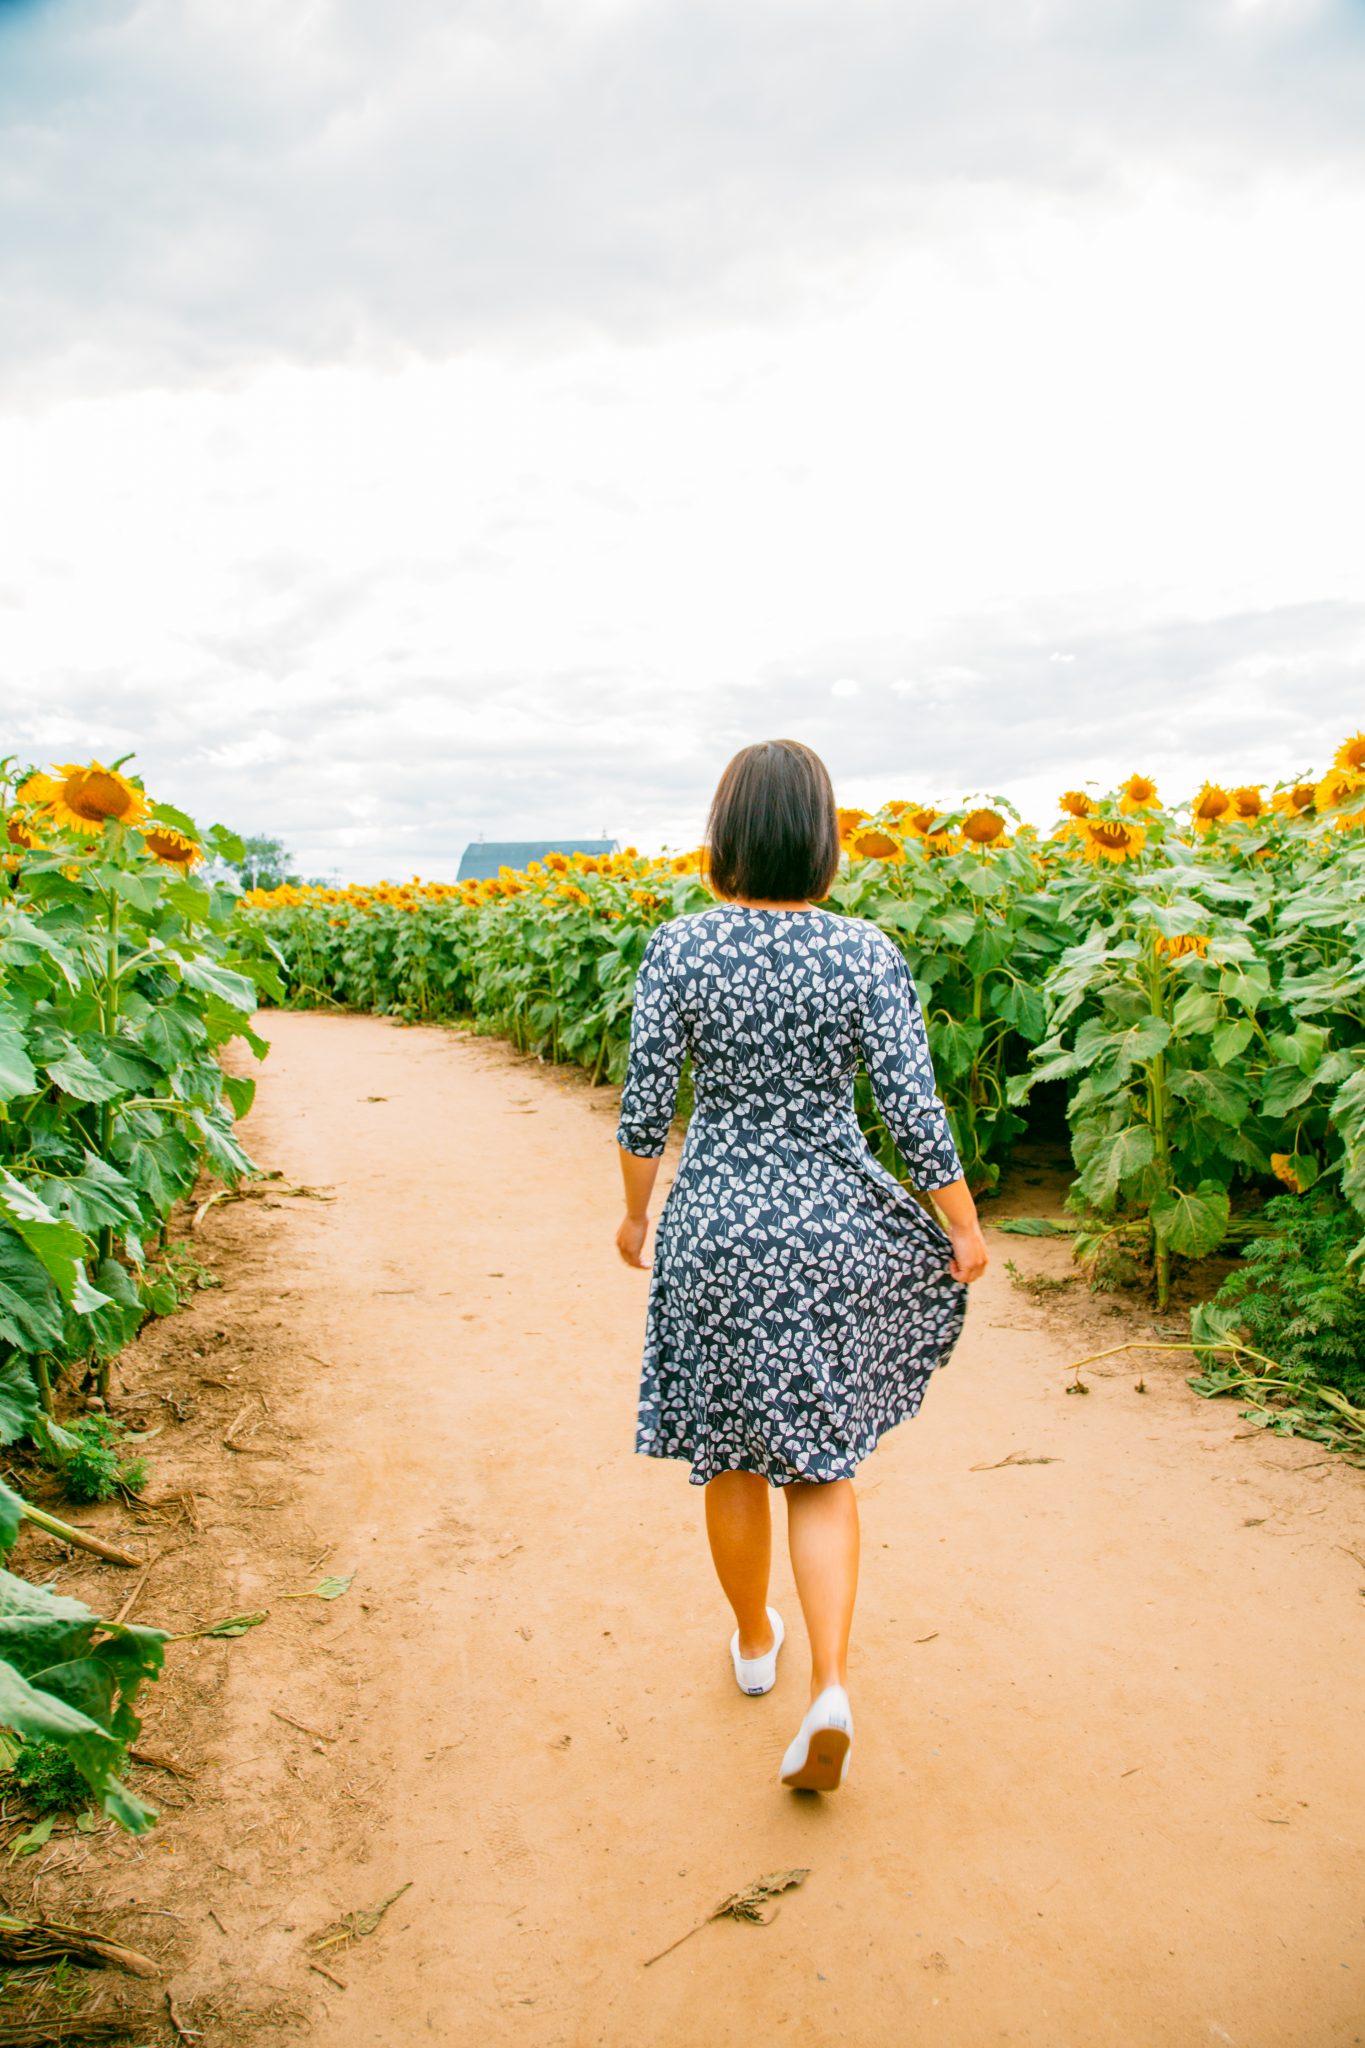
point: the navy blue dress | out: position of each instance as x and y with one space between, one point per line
799 1297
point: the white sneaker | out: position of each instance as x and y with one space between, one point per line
817 1757
758 1674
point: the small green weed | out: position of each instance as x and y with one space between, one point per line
1040 1286
173 1276
47 1777
94 1470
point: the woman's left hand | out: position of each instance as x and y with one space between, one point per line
630 1239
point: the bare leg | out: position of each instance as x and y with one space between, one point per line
822 1532
739 1525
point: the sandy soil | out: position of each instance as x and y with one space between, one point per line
1108 1784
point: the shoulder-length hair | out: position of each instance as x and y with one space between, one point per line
772 833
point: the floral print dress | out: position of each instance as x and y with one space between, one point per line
799 1296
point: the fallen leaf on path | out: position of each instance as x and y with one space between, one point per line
25 1845
352 1925
1014 1458
235 1625
325 1589
745 1905
1034 1226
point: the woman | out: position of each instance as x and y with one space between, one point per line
799 1296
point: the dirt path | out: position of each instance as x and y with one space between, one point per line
1109 1780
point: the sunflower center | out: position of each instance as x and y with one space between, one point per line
95 796
983 826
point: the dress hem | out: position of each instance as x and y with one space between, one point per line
700 1476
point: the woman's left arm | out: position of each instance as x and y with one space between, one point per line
639 1176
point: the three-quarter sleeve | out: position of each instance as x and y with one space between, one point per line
895 1050
658 1041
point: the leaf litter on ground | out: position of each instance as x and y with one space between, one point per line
743 1905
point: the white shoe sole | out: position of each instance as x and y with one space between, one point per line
758 1674
817 1757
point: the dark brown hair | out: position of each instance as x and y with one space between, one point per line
773 832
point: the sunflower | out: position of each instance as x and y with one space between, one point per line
20 833
1282 1166
873 844
556 864
1076 803
1336 785
1350 755
1211 804
1247 802
941 842
984 828
1293 802
898 809
1184 942
1137 794
850 820
1115 839
177 849
80 799
919 820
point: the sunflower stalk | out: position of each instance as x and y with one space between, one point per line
1158 1106
109 1015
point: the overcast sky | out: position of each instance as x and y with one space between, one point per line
429 419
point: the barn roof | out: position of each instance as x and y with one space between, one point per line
482 858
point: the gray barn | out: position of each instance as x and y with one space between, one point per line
482 858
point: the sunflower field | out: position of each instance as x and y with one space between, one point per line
1183 984
122 976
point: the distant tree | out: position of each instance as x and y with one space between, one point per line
265 863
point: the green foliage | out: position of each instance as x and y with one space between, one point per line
122 977
94 1469
68 1678
121 980
44 1772
1296 1294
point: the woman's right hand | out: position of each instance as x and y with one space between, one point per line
630 1240
970 1257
